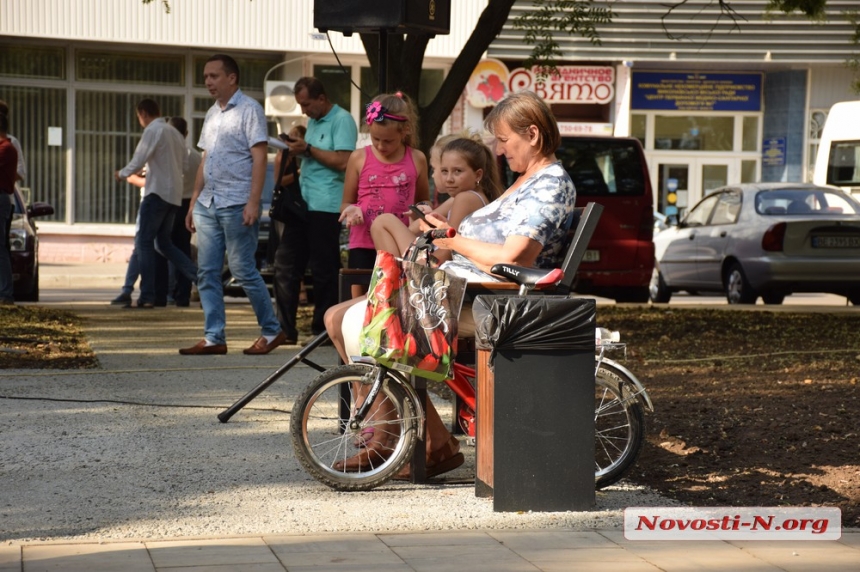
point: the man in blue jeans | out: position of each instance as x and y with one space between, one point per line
225 208
162 151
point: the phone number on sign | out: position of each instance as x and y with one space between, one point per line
732 523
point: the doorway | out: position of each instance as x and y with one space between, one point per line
680 182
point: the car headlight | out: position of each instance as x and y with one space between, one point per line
17 240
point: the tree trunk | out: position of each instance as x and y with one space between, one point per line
406 55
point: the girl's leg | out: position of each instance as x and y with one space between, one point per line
390 234
334 325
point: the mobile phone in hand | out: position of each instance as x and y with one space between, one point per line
287 138
420 214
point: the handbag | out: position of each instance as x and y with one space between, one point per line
287 200
410 324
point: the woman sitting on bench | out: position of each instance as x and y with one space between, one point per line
526 226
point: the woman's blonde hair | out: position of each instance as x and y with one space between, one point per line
397 109
478 156
521 110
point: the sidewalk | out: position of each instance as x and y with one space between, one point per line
81 275
141 364
458 551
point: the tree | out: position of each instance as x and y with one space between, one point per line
540 25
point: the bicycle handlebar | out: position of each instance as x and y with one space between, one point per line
435 233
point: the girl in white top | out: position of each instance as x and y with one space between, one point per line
464 169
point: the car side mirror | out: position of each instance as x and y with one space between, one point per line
40 209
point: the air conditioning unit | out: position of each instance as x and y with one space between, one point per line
281 99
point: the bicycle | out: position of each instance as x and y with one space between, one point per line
329 417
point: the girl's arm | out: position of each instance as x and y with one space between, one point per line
462 206
459 207
349 211
422 183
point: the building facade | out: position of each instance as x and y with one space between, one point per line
72 73
713 101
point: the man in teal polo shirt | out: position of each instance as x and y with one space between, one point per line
313 240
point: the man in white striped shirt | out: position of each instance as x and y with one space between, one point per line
162 150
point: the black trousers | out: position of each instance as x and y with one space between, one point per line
180 285
315 243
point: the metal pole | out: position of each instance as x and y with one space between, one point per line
383 61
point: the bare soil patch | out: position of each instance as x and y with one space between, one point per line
752 408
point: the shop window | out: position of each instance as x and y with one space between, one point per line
338 86
32 62
638 127
748 171
33 111
749 135
693 132
115 67
107 133
251 71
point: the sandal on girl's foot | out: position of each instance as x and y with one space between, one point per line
369 457
363 438
446 458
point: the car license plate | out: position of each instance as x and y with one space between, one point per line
836 241
591 256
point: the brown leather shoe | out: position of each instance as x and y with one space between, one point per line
201 349
446 458
261 346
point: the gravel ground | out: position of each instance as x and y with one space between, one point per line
134 449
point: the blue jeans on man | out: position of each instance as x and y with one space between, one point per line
156 225
219 231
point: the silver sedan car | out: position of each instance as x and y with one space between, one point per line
763 239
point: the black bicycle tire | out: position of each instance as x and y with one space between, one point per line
318 467
622 388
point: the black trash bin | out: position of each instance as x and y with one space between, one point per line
535 421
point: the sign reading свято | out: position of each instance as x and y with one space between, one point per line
696 91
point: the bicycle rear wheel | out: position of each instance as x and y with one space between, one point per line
619 426
322 436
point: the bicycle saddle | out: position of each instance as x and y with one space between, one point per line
528 277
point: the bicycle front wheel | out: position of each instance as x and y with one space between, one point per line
325 435
619 426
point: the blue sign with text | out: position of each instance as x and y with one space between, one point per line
773 152
697 91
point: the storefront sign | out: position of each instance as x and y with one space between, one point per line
694 91
571 128
773 152
491 81
572 84
488 84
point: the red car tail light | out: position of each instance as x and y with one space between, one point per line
773 238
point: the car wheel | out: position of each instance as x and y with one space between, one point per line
633 295
738 289
657 290
773 297
31 295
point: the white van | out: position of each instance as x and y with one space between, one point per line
838 160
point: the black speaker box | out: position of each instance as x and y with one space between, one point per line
400 16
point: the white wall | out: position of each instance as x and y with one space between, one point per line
272 25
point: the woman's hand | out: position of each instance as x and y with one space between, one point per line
352 215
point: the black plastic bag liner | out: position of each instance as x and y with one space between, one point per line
533 323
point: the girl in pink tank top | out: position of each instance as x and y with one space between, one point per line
384 177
